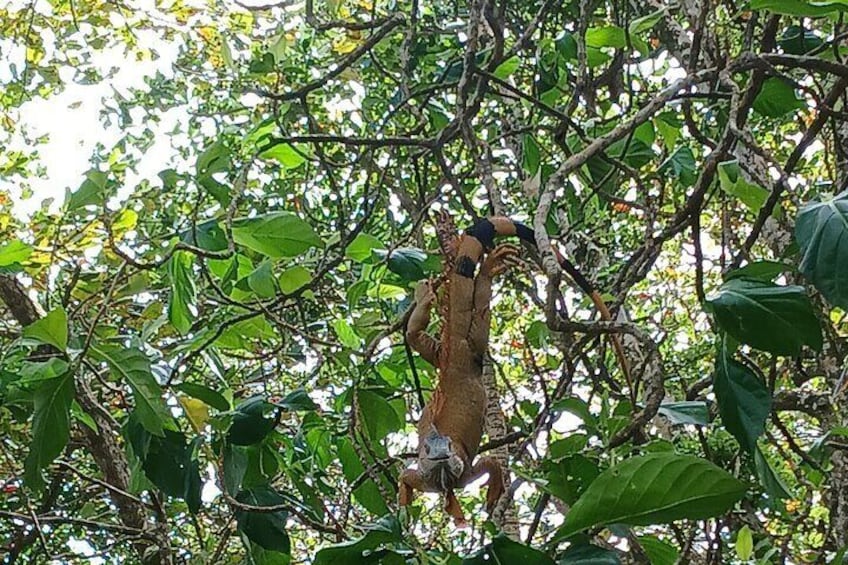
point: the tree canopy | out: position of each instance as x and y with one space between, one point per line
201 345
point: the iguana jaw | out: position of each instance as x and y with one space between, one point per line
439 463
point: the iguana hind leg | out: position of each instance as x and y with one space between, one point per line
495 483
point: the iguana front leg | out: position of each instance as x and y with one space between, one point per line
416 328
411 480
495 483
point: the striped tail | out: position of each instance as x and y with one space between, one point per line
481 238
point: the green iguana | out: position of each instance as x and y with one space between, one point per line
452 422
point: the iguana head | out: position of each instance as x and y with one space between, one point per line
439 462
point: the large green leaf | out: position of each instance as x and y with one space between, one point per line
379 416
183 291
131 365
33 372
569 477
798 41
360 248
658 551
655 489
733 183
294 278
50 425
588 554
822 232
776 98
770 481
778 319
407 262
802 8
92 191
686 412
14 252
207 235
168 461
368 493
744 402
250 424
267 529
278 234
206 394
504 550
361 551
52 329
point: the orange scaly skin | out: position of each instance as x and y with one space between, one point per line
455 414
457 408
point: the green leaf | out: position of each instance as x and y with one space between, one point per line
261 280
531 154
278 234
797 41
209 235
744 543
799 7
235 466
744 402
378 415
606 36
50 426
167 461
822 233
285 154
360 248
778 319
777 98
91 192
770 481
294 278
504 550
266 529
297 401
215 159
658 551
367 493
646 22
588 554
385 531
569 477
760 270
682 165
38 371
655 489
16 251
249 423
407 262
210 397
686 412
132 366
733 183
347 336
505 69
182 303
52 329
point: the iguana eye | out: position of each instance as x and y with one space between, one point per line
427 448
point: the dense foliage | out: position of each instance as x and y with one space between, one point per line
201 348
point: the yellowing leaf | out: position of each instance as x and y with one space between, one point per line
343 45
196 411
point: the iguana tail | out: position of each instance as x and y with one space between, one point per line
481 237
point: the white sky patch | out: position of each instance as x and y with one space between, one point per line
71 121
